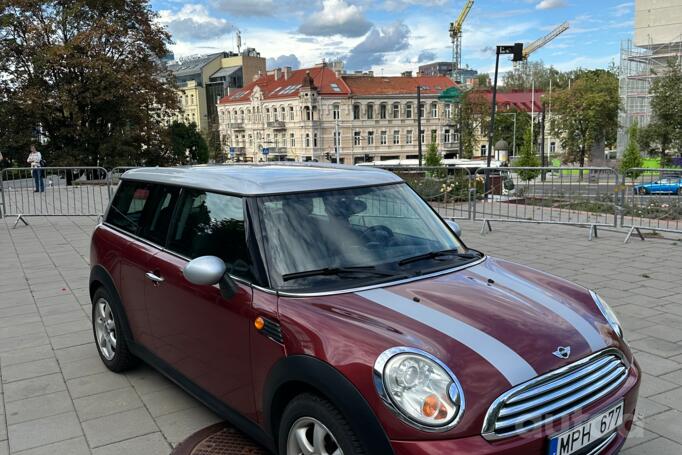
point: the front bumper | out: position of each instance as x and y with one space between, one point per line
535 442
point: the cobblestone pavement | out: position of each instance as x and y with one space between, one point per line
57 398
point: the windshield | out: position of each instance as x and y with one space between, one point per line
339 239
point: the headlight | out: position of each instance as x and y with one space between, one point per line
608 314
419 388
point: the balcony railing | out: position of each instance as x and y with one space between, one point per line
277 125
235 125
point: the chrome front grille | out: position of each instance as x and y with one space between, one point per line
555 394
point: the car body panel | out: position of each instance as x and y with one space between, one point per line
663 186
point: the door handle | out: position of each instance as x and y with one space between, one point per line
154 278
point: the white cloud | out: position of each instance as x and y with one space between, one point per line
623 9
551 4
193 23
283 61
379 42
336 17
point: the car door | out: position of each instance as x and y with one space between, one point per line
196 330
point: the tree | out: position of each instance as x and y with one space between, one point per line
527 158
433 158
586 113
475 118
632 158
88 77
504 127
185 139
523 75
664 133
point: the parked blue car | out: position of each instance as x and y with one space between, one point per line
671 185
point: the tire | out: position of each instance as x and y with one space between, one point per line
110 339
315 413
643 191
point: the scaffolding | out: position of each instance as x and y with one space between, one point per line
639 67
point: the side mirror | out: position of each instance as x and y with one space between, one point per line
455 227
210 270
205 270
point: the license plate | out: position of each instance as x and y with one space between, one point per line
577 438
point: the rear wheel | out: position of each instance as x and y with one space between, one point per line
311 425
110 339
643 191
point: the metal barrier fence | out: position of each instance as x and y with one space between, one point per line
549 195
651 200
447 189
640 199
54 191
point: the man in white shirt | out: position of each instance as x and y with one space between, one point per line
34 159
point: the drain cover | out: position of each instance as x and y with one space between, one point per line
219 439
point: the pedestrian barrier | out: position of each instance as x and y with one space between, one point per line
54 191
548 195
447 189
639 199
651 200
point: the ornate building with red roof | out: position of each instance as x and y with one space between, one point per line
308 114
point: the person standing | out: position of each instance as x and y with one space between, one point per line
35 159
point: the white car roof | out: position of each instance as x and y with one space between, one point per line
260 179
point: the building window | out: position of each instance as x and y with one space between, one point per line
291 113
434 110
396 137
356 138
356 112
308 115
283 113
434 136
307 139
292 140
396 110
314 139
448 110
421 110
408 137
370 137
484 150
274 114
370 111
383 139
421 136
336 114
408 110
191 100
446 136
382 111
552 147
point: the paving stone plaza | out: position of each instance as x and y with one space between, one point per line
56 397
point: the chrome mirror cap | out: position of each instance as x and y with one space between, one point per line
205 270
455 227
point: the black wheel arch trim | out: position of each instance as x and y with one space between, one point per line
335 387
99 274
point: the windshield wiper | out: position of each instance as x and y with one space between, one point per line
437 254
335 271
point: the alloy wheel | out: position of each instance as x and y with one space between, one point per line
308 436
105 329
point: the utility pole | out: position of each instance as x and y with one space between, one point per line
542 143
337 143
419 124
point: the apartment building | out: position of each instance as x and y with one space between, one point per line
203 80
309 114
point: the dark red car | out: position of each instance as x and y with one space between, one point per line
330 310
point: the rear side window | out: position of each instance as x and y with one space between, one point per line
126 209
157 220
211 224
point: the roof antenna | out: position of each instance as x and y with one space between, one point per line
239 42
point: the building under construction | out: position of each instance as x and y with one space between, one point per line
657 40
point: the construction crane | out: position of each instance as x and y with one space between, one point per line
456 35
538 43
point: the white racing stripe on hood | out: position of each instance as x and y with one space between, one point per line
536 295
511 365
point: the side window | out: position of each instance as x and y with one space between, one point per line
160 211
126 208
211 224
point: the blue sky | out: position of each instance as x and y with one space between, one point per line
390 36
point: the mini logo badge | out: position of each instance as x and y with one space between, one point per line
563 352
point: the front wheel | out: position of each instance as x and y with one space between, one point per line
643 191
311 425
110 339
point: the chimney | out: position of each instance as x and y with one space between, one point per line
287 73
257 75
278 73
